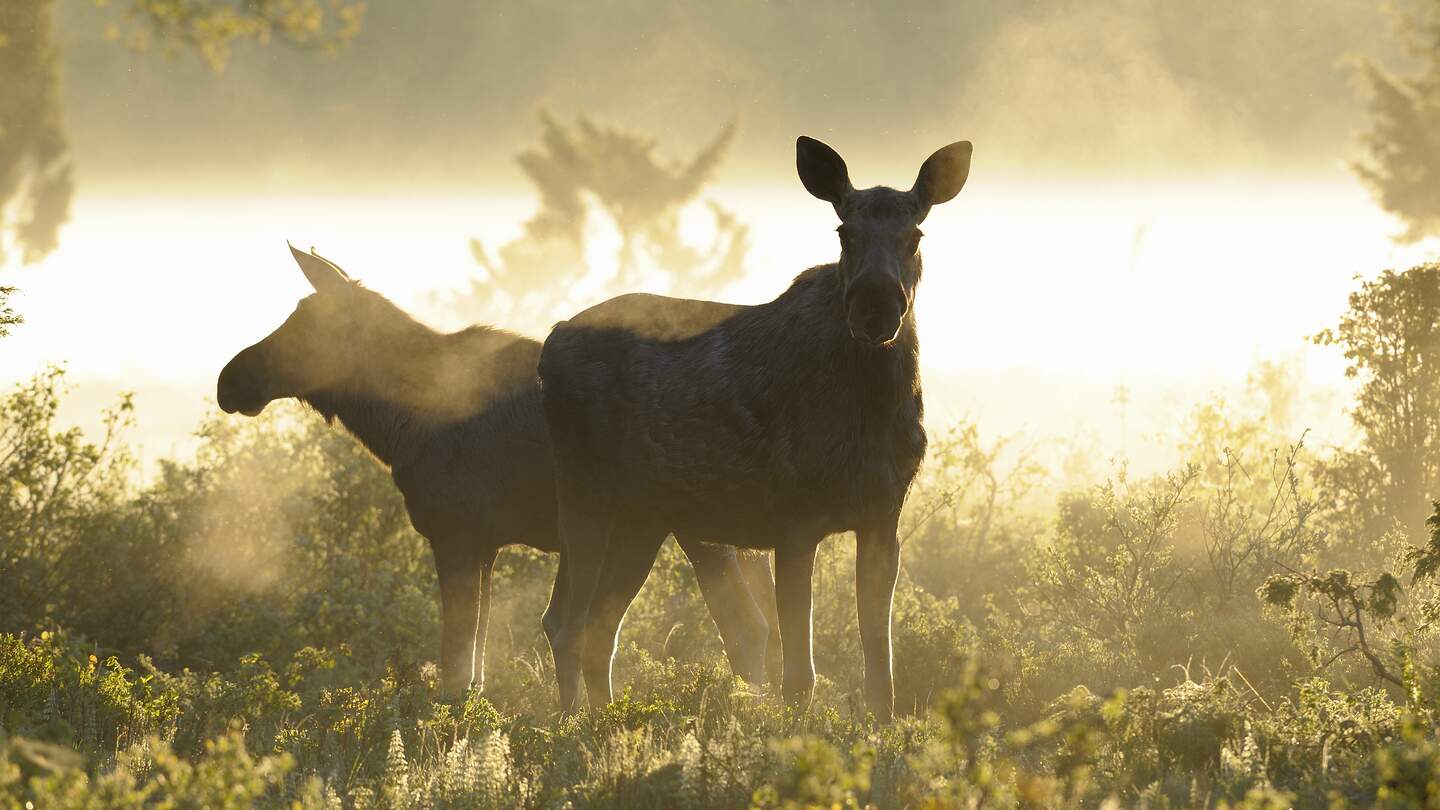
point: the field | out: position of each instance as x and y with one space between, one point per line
1174 544
257 625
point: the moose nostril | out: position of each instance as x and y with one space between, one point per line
877 328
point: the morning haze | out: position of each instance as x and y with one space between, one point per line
439 93
1129 131
770 404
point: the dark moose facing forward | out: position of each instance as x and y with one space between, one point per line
768 426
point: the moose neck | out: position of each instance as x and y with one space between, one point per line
880 377
407 387
385 428
418 384
886 377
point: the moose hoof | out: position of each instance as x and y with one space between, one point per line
799 694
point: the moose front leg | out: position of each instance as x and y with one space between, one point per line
794 568
464 607
877 565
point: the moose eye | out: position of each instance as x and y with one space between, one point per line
912 241
844 235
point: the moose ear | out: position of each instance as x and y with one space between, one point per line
943 174
822 170
322 274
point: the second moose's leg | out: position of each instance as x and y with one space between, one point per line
482 624
464 604
877 565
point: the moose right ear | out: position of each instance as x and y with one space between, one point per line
323 275
943 174
822 170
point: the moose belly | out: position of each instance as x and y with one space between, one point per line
754 499
759 522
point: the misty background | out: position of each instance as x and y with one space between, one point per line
1160 209
440 94
1173 543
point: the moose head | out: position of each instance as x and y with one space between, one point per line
879 232
313 350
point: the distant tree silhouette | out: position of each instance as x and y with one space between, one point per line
642 195
1391 339
1402 146
36 171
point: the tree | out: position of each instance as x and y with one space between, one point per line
36 170
55 486
642 196
1391 337
1376 617
1402 145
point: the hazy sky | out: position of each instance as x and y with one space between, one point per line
1159 197
443 92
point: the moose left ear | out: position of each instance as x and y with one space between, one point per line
822 170
322 273
943 174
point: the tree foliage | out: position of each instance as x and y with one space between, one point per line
1390 336
212 28
36 174
36 169
8 316
1402 146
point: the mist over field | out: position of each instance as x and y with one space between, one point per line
439 94
1169 159
1178 347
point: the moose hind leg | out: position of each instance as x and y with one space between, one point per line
627 567
732 604
550 622
586 515
761 582
482 629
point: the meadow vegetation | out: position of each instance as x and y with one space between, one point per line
257 626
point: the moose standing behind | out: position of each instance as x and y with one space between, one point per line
457 418
787 421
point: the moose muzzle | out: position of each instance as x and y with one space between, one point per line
875 308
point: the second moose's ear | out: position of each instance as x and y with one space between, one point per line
822 170
943 174
322 274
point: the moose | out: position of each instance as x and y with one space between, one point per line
779 423
458 420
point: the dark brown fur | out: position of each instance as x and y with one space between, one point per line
768 426
458 420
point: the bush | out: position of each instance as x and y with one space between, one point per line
257 626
